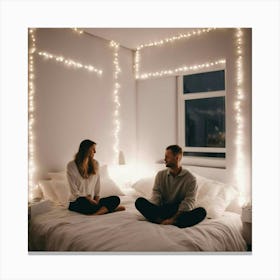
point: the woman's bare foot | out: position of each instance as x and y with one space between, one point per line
120 208
103 210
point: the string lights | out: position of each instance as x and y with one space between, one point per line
239 143
116 99
70 62
137 64
31 93
180 70
176 38
31 110
78 30
165 41
116 90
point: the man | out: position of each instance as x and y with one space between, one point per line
174 195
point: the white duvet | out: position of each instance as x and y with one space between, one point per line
54 228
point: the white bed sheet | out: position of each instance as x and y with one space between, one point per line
54 228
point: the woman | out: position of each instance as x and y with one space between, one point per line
84 181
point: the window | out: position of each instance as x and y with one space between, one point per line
204 82
202 116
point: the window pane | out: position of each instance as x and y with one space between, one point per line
204 82
205 122
199 154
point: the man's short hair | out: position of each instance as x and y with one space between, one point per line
175 149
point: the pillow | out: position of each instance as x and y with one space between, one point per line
62 191
207 187
61 175
215 207
47 189
144 186
214 196
37 193
108 187
103 171
40 208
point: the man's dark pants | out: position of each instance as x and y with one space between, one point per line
156 214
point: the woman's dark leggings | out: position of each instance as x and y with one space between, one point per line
156 214
82 205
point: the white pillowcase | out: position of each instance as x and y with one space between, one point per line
47 189
108 187
214 196
37 193
62 191
61 175
103 171
207 187
57 189
144 186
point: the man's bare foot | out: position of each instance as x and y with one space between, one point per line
119 208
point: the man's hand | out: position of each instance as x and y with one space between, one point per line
169 221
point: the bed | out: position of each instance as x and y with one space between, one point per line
53 228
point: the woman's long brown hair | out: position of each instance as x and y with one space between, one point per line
86 165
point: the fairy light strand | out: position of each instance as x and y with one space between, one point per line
239 118
175 38
117 70
162 42
31 111
239 141
137 64
181 70
31 94
116 99
69 62
78 30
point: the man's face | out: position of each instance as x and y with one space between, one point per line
170 159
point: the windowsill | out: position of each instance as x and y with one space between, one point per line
205 162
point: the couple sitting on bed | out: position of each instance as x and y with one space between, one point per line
173 198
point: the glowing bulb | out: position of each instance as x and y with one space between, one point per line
77 30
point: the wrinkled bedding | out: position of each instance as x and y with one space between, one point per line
55 228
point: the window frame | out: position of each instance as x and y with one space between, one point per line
181 98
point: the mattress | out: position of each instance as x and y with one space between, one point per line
54 228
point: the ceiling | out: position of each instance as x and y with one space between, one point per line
133 37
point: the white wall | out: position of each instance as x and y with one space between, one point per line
156 118
156 98
74 104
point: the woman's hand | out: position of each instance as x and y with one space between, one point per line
92 201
